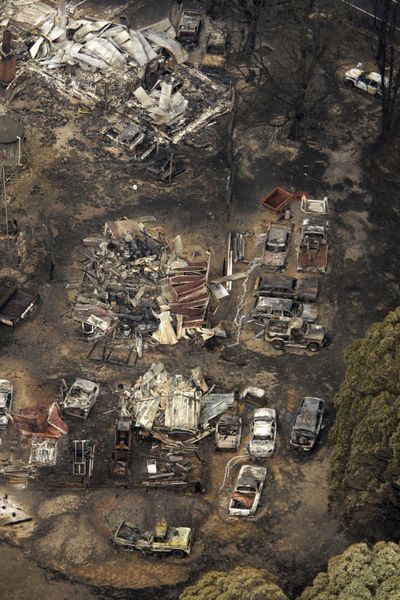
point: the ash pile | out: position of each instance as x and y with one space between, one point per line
136 288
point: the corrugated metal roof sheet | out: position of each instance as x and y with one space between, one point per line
182 412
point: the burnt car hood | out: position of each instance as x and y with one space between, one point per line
316 332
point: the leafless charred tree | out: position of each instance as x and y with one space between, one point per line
299 76
387 25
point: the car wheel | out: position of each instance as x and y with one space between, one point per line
349 83
178 553
377 95
313 347
277 344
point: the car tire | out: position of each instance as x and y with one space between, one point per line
313 347
377 96
277 344
178 553
349 83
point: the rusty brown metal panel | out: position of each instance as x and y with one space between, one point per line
8 66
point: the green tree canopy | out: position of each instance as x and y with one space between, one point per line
359 573
239 584
365 468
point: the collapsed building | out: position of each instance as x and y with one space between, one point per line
156 97
136 285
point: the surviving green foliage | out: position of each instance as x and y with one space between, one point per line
365 470
359 573
239 584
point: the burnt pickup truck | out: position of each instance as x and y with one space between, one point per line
276 247
296 334
164 540
312 253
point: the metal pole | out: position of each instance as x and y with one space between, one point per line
3 172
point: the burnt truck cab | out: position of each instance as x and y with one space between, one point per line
276 247
312 254
189 27
164 540
6 399
283 309
296 334
228 432
307 423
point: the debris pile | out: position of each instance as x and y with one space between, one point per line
164 403
139 73
176 413
136 285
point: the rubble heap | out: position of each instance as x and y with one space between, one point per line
139 73
171 403
136 285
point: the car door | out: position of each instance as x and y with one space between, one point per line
320 415
371 87
362 83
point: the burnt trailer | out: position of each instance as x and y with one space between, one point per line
121 454
16 303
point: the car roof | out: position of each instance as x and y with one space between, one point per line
278 281
374 77
278 235
259 413
307 416
280 303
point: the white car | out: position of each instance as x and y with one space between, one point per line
371 83
247 492
263 433
79 399
6 398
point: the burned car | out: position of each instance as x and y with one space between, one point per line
276 247
280 286
247 492
263 433
296 334
6 399
79 398
283 309
164 540
371 83
228 432
216 51
307 424
189 27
